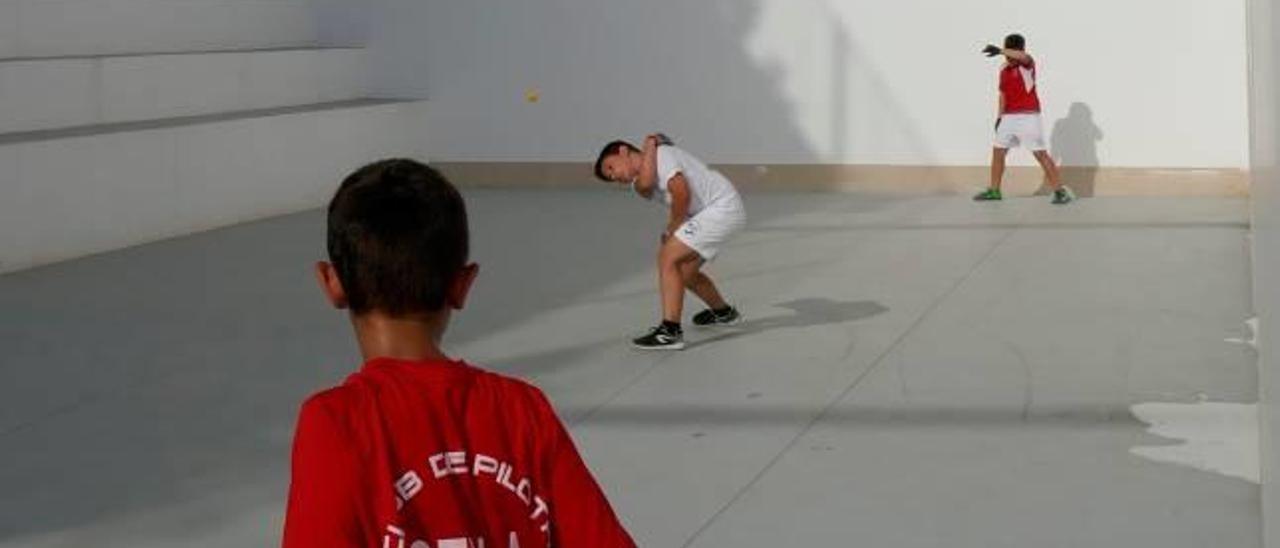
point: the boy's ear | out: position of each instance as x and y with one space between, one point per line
327 275
461 286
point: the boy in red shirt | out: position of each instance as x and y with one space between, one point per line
418 450
1018 119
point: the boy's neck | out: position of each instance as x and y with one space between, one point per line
412 338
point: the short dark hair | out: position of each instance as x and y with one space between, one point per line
397 237
1015 41
610 149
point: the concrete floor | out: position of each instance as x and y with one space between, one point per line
914 372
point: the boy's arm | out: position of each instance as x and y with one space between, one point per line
1018 57
1014 56
649 164
678 186
321 510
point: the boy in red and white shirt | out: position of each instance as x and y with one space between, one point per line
1018 119
419 450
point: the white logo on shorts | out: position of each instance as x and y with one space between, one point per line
690 228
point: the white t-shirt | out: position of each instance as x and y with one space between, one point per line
708 188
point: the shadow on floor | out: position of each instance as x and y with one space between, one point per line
804 313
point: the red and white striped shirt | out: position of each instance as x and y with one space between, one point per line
1018 86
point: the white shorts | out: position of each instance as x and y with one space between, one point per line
1020 130
710 228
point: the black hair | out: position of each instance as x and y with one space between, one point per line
610 149
398 237
1015 41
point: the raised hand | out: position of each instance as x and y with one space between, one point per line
661 139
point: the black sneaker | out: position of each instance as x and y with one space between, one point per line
710 317
660 338
1063 196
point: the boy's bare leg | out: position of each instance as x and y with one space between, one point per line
700 284
671 284
998 156
1050 169
992 192
672 258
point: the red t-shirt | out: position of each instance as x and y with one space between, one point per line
442 455
1018 85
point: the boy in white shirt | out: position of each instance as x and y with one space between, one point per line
705 211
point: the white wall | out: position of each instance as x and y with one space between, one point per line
58 93
342 22
63 198
1264 18
70 186
41 28
841 81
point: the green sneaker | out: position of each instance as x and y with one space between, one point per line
988 195
1063 196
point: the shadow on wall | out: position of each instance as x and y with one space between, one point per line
341 22
1074 145
604 70
716 75
698 80
840 48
